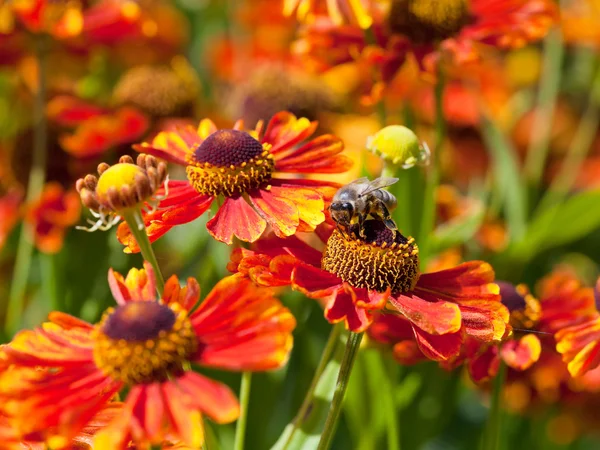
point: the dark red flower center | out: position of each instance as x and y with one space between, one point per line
230 163
426 21
381 260
144 341
226 148
139 321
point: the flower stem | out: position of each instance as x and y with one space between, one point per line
433 177
491 436
35 185
240 430
134 219
330 345
352 346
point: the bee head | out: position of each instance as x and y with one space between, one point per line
342 212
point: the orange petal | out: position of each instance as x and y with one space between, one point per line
186 421
438 347
280 213
521 354
172 146
431 317
308 202
212 398
242 327
236 218
285 130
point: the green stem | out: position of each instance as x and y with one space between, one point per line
352 346
491 437
134 219
328 350
388 402
35 186
50 280
240 430
433 178
547 95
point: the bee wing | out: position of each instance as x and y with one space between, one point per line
378 183
361 180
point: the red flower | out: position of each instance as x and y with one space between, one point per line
96 129
146 346
244 168
355 278
51 215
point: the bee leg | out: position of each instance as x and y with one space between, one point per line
361 225
387 218
339 228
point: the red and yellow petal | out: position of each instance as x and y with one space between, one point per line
432 317
236 218
175 147
279 212
139 285
308 204
484 365
315 282
320 155
484 320
580 346
438 347
187 296
473 280
242 327
340 306
284 131
71 111
521 354
212 398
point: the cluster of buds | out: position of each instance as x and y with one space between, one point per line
120 187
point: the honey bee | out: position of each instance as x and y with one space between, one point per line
362 198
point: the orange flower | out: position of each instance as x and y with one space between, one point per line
51 215
97 129
340 11
60 19
356 278
145 346
427 30
243 167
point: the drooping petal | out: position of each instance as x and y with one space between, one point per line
182 205
314 282
521 354
438 347
211 397
185 420
484 320
432 317
341 306
484 366
242 327
236 218
280 213
308 203
473 280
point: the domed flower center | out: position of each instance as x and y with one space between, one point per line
525 309
376 262
143 341
229 162
117 177
426 21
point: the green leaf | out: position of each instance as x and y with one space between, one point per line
458 231
560 224
307 436
507 178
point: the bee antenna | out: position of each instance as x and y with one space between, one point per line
533 331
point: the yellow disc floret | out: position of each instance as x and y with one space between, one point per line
382 260
229 163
